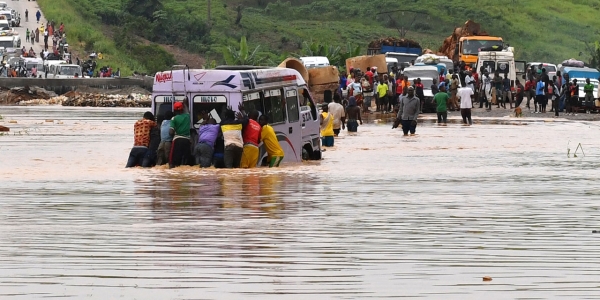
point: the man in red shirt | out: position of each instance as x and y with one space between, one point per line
529 92
251 137
141 140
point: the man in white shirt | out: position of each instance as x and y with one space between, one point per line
466 103
486 91
470 80
337 111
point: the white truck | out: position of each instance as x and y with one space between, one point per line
501 61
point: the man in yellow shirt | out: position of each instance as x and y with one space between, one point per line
274 152
327 126
382 90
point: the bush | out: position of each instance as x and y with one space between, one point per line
154 57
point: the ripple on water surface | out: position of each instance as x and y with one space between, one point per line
381 216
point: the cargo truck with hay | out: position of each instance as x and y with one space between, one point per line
465 43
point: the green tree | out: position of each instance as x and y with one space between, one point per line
143 8
241 55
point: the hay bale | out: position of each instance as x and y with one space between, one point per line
362 62
323 75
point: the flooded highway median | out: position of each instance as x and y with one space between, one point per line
381 216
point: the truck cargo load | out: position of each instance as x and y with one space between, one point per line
392 44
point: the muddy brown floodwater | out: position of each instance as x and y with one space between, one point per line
381 216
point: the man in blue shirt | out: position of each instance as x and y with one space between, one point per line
164 148
539 95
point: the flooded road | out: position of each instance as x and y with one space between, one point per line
381 216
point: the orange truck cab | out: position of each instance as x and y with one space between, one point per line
469 47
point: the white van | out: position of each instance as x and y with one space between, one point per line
501 61
10 41
4 27
64 70
315 61
390 61
550 68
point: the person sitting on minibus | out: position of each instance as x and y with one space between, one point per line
274 152
180 131
251 137
207 136
232 134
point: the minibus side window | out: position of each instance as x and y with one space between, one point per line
291 101
274 106
163 108
252 101
308 101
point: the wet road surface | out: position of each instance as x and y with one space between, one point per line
381 216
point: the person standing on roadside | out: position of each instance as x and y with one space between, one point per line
181 147
466 103
353 115
339 116
498 87
26 15
382 91
588 89
520 93
454 83
574 100
539 96
408 112
441 100
506 94
141 141
530 91
38 15
486 91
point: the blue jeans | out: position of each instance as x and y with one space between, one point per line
204 155
407 125
139 157
327 141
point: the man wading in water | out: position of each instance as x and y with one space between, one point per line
141 141
353 114
180 131
409 108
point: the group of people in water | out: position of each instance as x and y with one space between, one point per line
233 143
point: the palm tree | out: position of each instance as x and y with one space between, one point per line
241 56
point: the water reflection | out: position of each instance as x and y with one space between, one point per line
218 193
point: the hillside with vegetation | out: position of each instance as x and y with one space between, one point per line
150 35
